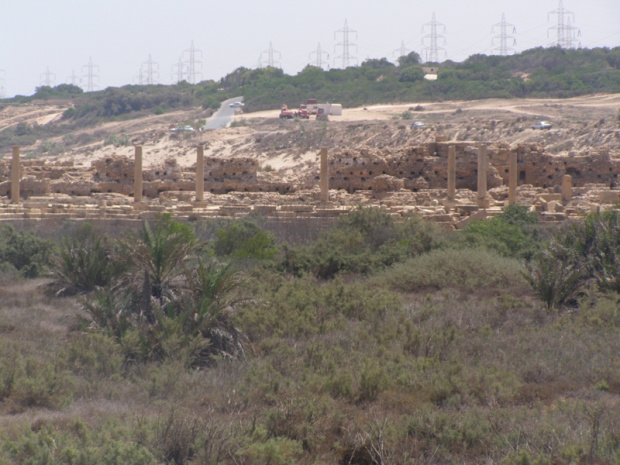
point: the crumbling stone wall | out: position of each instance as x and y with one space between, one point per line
365 169
425 167
422 167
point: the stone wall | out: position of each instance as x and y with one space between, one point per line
365 169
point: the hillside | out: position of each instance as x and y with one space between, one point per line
580 125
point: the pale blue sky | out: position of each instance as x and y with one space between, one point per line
119 35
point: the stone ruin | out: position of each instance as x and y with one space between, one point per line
406 181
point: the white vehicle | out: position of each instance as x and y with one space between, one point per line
185 128
235 105
417 124
542 125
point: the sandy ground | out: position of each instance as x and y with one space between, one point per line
159 144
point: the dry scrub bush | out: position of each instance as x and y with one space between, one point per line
466 269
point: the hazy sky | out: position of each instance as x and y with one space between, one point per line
119 35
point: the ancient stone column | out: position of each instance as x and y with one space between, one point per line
513 176
567 188
451 172
15 175
324 176
137 174
483 163
200 173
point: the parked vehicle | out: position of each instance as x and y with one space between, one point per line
236 105
285 113
417 125
184 128
542 125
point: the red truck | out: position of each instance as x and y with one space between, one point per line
285 113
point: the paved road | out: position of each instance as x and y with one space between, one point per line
223 116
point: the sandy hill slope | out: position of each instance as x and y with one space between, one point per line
289 147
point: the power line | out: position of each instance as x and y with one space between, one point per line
504 36
91 78
318 61
150 69
271 61
431 52
566 33
74 79
401 51
346 58
48 78
193 64
178 70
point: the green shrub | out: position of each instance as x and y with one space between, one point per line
274 451
93 355
29 254
373 381
117 140
244 239
467 269
364 241
512 234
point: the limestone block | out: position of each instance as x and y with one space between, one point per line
608 197
550 197
385 183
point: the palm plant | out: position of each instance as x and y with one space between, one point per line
208 309
157 257
596 245
85 261
553 276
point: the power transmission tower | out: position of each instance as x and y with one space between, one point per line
431 52
318 61
271 61
74 79
566 33
345 44
47 78
178 70
150 69
192 63
91 77
504 36
401 51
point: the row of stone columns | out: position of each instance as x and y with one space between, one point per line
200 174
483 167
483 164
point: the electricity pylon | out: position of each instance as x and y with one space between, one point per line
91 77
178 71
271 61
193 65
566 33
431 52
48 78
318 60
504 36
149 72
346 58
401 51
74 79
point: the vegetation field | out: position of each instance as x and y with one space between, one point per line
379 342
